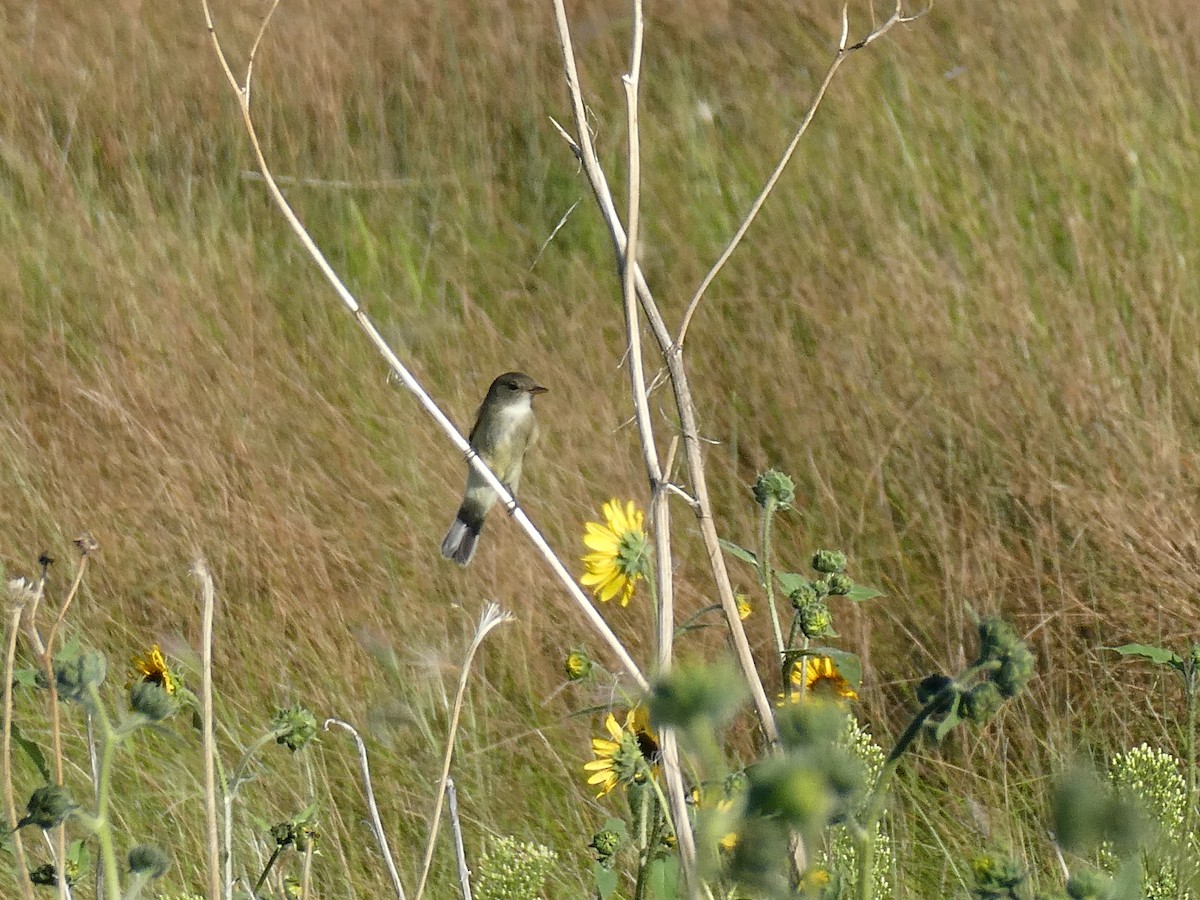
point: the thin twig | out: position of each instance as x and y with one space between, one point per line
86 545
492 617
402 373
376 822
208 594
660 510
10 803
460 851
585 151
843 51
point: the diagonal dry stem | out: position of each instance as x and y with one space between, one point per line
405 377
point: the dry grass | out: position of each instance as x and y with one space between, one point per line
967 323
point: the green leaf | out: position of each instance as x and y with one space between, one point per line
77 854
740 552
790 581
662 878
861 592
25 678
1159 655
606 881
848 665
32 750
947 724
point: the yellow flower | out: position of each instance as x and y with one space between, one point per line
626 754
620 553
820 677
153 668
813 880
743 606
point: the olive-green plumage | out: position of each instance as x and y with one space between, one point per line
504 431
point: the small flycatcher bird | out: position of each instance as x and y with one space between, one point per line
504 431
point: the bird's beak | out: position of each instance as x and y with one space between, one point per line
538 389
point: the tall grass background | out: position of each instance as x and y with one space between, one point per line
967 322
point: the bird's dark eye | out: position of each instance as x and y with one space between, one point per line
511 385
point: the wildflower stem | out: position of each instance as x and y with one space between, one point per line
267 868
765 578
208 598
10 804
232 784
376 822
1190 678
101 825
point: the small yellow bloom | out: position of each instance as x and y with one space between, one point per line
620 553
153 668
814 879
820 677
743 607
626 754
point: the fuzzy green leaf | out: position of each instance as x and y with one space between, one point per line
606 881
861 592
662 878
740 552
32 750
1159 655
790 581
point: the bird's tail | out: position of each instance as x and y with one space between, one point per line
463 536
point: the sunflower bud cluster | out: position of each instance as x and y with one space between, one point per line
606 843
76 672
295 728
48 807
999 643
148 861
995 876
775 488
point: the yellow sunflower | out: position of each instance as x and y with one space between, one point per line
620 553
625 755
820 677
153 668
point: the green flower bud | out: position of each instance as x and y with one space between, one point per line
577 666
997 639
829 562
803 595
791 790
820 587
44 876
151 700
816 723
606 843
1088 885
690 696
283 833
981 703
1195 656
840 584
996 875
1015 672
48 806
296 727
148 861
815 619
932 685
773 485
74 673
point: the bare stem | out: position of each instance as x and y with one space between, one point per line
491 618
10 803
376 822
843 52
208 596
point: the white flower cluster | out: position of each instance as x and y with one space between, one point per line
839 858
513 870
1151 778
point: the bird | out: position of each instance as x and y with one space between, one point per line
505 429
